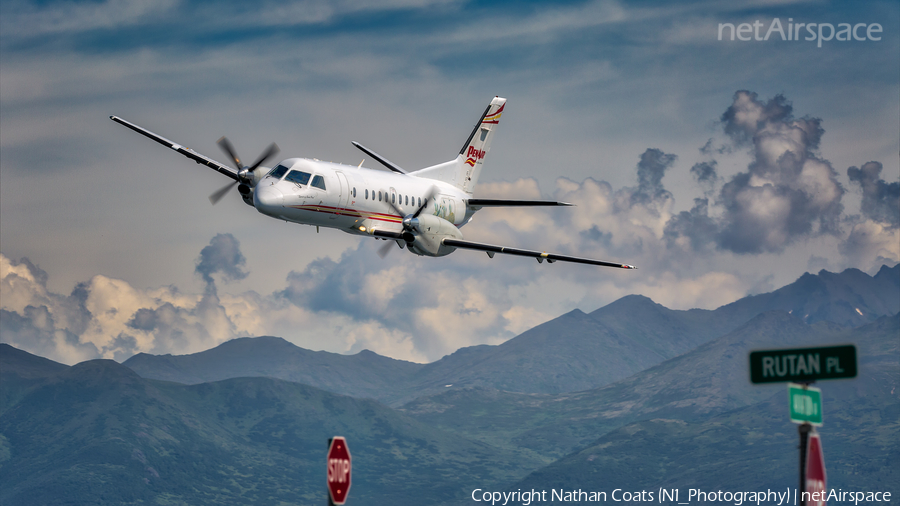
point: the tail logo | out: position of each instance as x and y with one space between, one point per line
473 155
494 118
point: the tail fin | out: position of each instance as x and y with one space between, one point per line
463 172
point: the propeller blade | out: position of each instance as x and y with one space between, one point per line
229 150
384 250
217 196
395 207
428 197
269 153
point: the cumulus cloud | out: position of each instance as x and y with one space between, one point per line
692 230
871 244
650 171
222 255
874 237
787 194
435 307
706 175
880 200
106 317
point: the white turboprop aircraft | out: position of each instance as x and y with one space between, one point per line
386 205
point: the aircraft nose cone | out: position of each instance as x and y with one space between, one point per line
268 197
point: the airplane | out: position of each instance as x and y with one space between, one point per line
421 210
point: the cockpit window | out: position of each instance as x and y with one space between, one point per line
278 171
318 182
297 177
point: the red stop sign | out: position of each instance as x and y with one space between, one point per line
338 470
815 471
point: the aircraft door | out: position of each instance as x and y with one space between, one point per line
447 210
343 189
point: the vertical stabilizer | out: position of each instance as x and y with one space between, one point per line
463 172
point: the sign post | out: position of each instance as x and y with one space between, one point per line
804 366
804 430
338 470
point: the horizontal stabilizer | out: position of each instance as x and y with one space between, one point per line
382 160
479 203
490 249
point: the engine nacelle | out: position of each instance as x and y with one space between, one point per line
246 194
429 230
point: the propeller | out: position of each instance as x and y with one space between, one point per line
244 172
384 250
408 224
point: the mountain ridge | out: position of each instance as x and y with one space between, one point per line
235 441
68 432
635 330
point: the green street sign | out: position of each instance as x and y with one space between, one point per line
805 404
802 365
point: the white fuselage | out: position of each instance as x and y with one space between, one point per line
421 210
355 200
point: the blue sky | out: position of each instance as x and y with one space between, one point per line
631 110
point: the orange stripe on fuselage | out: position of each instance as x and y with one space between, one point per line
342 211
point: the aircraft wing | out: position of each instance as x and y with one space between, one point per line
479 203
388 234
190 153
490 249
384 161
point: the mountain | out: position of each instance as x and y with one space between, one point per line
754 446
564 354
710 380
97 433
850 298
19 371
366 374
573 352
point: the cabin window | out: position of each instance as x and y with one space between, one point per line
278 171
367 194
407 200
420 201
297 177
354 192
318 182
379 195
393 198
